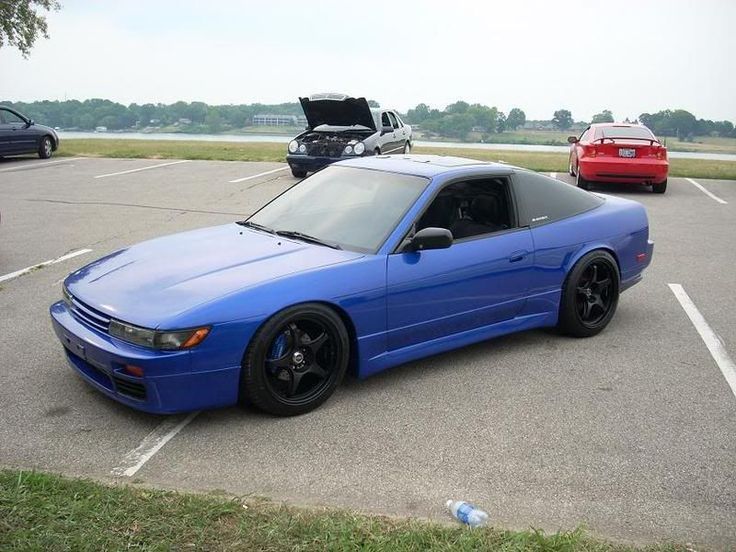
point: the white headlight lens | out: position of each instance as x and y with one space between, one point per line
302 148
359 148
293 146
348 150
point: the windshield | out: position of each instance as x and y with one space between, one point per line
354 208
626 132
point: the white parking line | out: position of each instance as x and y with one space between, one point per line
143 168
257 175
709 337
553 175
706 192
40 164
151 444
41 265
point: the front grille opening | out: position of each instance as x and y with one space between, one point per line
90 316
128 388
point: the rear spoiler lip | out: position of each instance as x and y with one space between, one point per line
651 141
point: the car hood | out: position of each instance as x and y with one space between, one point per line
150 283
337 111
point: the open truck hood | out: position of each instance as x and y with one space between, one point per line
337 110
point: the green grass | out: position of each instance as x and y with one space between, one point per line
49 512
269 151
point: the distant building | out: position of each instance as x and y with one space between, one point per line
268 119
185 121
101 129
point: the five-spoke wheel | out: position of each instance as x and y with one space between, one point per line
296 360
590 295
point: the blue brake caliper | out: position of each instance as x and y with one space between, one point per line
278 347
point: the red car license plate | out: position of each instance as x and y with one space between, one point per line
626 152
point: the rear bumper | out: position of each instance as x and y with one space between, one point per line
173 381
615 169
637 276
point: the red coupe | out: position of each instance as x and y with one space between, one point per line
612 152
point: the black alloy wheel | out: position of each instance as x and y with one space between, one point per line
590 295
296 360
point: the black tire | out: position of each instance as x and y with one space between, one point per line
377 151
281 385
660 188
298 173
581 182
45 147
590 295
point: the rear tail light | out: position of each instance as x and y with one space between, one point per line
590 151
661 153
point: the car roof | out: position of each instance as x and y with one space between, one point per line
424 165
598 125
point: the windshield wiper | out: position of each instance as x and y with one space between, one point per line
306 238
255 225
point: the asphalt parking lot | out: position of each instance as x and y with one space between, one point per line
632 433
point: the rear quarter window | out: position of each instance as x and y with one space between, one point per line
541 199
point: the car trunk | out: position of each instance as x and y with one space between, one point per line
627 148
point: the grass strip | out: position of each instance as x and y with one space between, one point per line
41 511
270 151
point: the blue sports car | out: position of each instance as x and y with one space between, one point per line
367 264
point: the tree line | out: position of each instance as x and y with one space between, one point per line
458 120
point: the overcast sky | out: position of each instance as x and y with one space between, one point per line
627 56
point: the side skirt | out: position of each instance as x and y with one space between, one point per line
447 343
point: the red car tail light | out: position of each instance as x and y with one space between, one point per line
590 151
661 153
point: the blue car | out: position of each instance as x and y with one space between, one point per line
367 264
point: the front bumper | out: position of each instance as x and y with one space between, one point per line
620 169
173 381
311 163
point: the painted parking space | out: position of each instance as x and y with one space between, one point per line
629 432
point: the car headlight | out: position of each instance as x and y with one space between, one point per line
359 148
302 148
154 339
293 146
348 150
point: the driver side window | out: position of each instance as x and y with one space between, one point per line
471 208
385 120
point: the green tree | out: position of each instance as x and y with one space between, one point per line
213 121
21 23
457 107
683 122
604 116
562 119
515 119
373 103
502 122
419 114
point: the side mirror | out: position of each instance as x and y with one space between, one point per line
430 238
572 139
387 129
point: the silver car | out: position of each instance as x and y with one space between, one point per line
340 127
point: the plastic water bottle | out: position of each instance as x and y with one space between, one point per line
467 513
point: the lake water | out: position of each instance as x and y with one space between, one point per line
285 139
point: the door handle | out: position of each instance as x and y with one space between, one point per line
517 256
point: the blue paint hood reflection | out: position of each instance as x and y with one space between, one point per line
150 283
